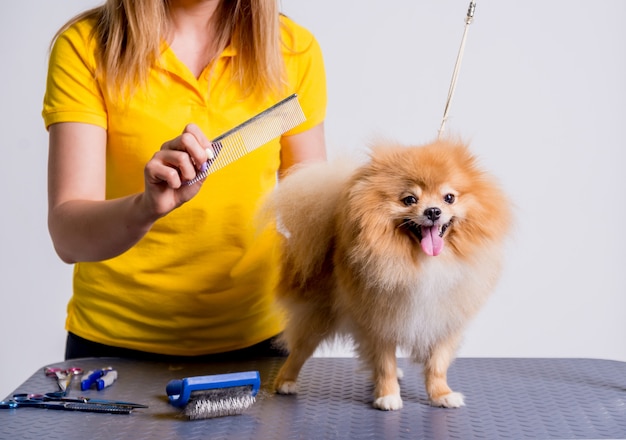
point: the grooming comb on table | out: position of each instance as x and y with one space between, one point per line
251 134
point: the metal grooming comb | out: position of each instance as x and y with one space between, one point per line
251 134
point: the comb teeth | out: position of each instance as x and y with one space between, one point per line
252 134
102 408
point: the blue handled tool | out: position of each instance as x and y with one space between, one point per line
101 378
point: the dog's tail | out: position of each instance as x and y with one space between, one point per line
303 206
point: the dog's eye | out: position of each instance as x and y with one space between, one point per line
409 200
449 199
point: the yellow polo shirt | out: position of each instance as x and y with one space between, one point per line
201 280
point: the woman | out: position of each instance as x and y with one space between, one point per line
135 90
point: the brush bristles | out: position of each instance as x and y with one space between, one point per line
219 403
208 409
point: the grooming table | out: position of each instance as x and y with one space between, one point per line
505 398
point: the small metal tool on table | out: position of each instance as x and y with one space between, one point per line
59 400
65 377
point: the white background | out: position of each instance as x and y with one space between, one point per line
541 98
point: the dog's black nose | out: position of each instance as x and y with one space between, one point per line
432 213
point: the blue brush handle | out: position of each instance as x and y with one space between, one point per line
179 391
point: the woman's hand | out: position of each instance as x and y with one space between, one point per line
178 162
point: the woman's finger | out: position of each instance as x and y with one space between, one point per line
171 166
194 142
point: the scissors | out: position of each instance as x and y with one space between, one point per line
54 401
66 406
64 376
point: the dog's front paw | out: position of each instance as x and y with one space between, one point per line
286 387
450 400
388 403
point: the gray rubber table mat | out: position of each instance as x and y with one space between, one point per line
505 398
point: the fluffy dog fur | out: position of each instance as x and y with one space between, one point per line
399 252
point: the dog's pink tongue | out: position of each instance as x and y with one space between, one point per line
432 243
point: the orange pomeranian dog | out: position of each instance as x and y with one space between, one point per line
399 252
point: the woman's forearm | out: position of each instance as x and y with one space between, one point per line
86 230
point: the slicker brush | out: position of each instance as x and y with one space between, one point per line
218 395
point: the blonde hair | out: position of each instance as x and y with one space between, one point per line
130 34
